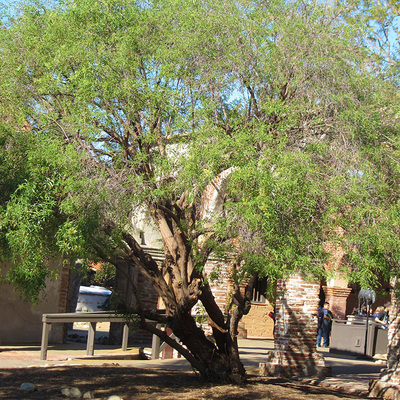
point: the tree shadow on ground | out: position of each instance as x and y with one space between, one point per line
308 389
133 383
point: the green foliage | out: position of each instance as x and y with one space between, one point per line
105 274
280 203
42 216
131 104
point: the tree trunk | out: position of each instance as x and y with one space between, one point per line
180 284
215 363
217 359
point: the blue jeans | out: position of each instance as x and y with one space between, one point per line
323 333
319 336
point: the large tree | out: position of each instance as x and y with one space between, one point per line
157 100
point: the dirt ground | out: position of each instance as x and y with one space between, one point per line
133 383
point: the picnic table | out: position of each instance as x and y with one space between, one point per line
92 318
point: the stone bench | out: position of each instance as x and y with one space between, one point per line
92 318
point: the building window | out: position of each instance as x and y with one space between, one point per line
259 289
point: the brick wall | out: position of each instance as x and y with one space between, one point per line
337 299
58 332
147 295
220 286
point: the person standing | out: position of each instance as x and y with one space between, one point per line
320 318
325 318
377 311
383 317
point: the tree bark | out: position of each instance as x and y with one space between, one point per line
217 360
180 285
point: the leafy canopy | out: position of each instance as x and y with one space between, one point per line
135 104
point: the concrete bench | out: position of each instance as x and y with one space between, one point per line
90 317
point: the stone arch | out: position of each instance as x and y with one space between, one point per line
213 197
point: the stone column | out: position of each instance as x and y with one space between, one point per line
388 384
337 298
295 333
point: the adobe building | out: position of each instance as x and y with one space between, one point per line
21 321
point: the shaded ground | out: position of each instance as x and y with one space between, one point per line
134 383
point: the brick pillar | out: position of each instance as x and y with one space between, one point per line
388 384
337 299
295 333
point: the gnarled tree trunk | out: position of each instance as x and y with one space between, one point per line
181 285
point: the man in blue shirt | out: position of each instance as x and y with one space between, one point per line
325 318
